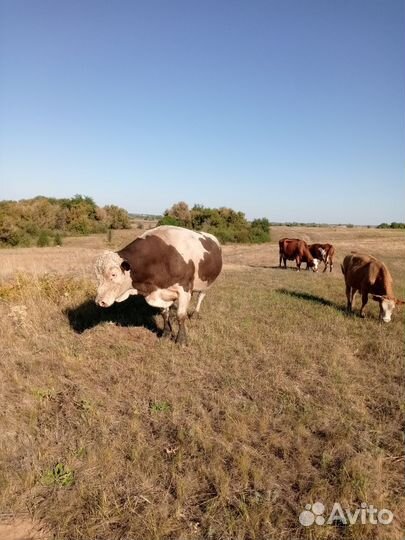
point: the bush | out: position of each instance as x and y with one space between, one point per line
259 231
226 224
117 218
57 240
43 239
393 225
22 221
170 220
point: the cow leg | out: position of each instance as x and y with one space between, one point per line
163 298
196 312
353 293
285 262
183 303
298 263
167 325
364 300
330 265
350 294
326 265
349 299
281 258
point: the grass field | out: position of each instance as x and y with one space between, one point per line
109 432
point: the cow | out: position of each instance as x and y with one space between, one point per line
323 252
296 249
368 275
165 265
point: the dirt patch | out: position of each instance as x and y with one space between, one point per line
21 529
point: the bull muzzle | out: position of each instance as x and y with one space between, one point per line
102 303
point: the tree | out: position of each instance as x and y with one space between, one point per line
117 218
22 221
180 212
227 224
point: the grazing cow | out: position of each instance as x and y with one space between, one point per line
323 252
296 249
368 275
165 265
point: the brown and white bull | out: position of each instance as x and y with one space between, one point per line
368 275
323 252
165 265
295 249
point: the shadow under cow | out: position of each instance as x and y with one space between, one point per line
312 298
132 312
274 267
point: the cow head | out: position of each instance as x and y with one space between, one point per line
387 306
114 279
314 265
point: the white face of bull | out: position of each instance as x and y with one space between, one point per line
315 265
387 306
114 283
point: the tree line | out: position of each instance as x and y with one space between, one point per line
226 224
392 225
45 220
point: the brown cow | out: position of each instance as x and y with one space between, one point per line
165 265
295 249
323 252
368 275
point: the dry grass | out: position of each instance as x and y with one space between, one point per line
110 433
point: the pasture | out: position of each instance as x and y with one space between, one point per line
109 432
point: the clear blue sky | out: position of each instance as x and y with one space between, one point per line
290 109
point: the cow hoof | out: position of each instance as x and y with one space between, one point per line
194 315
363 315
167 334
181 340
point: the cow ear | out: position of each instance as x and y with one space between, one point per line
399 302
125 266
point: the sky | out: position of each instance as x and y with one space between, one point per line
289 109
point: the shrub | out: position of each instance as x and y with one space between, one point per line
21 221
57 240
393 225
226 224
170 220
43 239
117 218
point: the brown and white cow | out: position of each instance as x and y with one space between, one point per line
368 275
165 265
295 249
323 252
